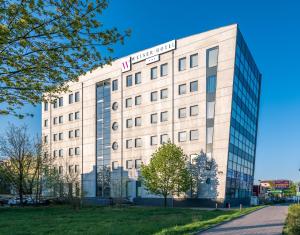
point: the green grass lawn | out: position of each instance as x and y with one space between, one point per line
106 220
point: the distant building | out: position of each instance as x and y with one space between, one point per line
200 92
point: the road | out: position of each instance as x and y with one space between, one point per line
266 221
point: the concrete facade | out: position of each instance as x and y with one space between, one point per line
225 39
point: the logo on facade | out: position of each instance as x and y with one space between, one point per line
150 55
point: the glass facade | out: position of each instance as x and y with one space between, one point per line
243 128
103 142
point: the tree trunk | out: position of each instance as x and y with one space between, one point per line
165 201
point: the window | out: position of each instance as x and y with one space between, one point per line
128 102
61 101
210 110
60 170
164 116
138 78
77 133
129 80
182 89
77 96
153 140
45 106
138 100
77 115
181 64
71 97
115 106
154 95
115 146
71 116
193 60
138 121
213 57
115 126
193 86
194 135
129 144
46 139
129 123
55 120
194 110
182 113
54 137
61 153
138 163
209 135
182 136
115 165
153 73
76 168
71 151
138 142
115 85
77 151
164 70
55 153
55 104
60 136
129 164
211 84
60 119
71 134
164 93
46 123
154 118
70 169
164 138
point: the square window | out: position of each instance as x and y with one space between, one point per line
46 139
193 86
71 98
210 113
138 121
154 96
77 116
164 116
211 84
153 140
182 113
115 85
60 119
164 93
129 144
129 80
212 57
71 151
129 123
45 106
71 116
154 118
61 153
55 104
194 135
182 89
194 110
138 100
60 170
60 136
128 102
138 78
129 164
55 120
153 73
138 142
46 123
181 64
138 163
54 137
61 101
77 133
71 134
194 60
77 96
164 138
164 70
209 135
115 165
182 136
55 153
77 151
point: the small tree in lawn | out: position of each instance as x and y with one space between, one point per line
167 172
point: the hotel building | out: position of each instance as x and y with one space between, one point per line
200 92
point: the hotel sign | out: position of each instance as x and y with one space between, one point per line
150 55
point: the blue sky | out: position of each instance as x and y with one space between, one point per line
272 32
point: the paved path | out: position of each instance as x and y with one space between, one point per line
266 221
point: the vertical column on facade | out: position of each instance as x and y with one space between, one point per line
82 140
211 84
173 97
122 144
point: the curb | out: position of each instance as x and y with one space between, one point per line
224 222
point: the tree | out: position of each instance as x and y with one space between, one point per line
166 173
44 43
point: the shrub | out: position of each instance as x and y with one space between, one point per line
293 220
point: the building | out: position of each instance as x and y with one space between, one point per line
202 92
